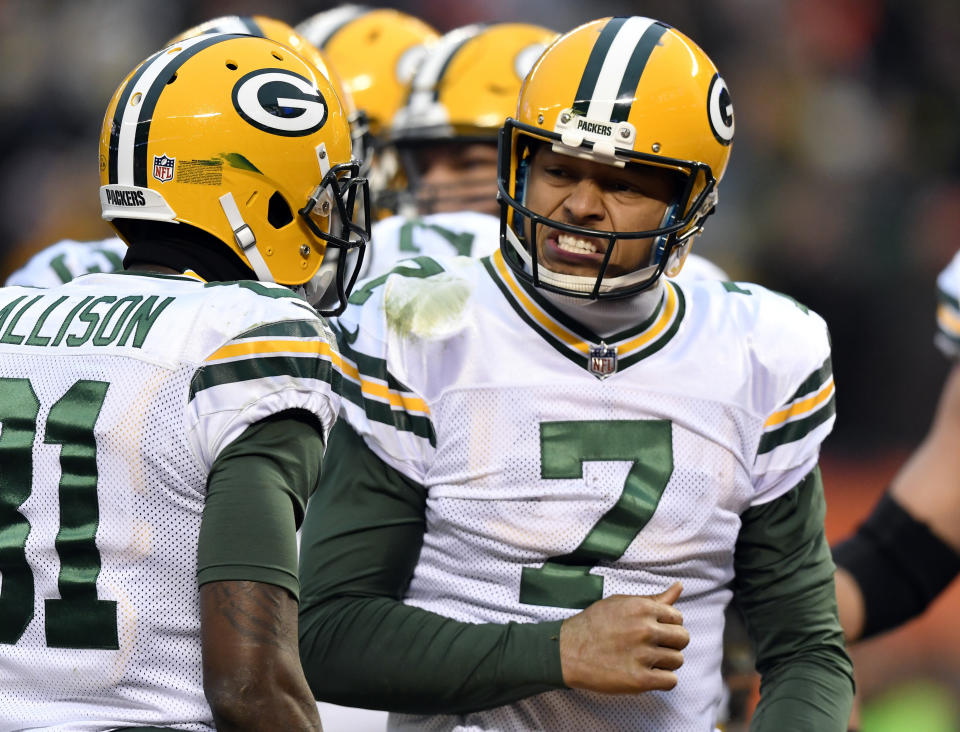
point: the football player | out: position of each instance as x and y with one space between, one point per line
562 465
908 550
277 30
445 139
161 428
446 132
61 262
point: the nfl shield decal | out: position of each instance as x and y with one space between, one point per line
602 360
163 168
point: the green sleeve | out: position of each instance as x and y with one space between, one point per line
256 494
784 586
359 644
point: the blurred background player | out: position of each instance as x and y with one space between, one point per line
445 134
908 550
445 139
375 51
61 262
164 426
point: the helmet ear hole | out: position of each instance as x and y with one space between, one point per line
278 211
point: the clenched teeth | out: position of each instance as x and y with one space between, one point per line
572 244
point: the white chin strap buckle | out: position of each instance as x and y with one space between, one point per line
245 238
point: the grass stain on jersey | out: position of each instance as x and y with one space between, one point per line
426 308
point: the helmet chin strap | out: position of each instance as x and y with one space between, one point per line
575 283
245 238
677 257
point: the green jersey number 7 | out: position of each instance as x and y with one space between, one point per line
565 581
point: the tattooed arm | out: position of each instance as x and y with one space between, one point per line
247 572
251 661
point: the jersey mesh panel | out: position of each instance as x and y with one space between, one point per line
150 492
490 515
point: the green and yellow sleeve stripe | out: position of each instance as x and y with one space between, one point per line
948 317
370 386
298 349
811 405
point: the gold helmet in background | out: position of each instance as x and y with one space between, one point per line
464 88
469 81
375 51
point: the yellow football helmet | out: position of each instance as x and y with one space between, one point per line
469 81
464 88
241 138
620 91
277 30
375 51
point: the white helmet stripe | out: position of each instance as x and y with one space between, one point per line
244 25
139 100
421 108
615 64
428 76
323 26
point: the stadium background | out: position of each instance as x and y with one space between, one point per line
843 190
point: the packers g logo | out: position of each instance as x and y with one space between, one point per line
280 102
720 110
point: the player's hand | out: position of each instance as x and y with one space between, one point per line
624 644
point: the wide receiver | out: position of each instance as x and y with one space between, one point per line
161 428
61 262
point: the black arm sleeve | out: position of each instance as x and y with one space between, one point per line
784 586
256 494
899 564
359 644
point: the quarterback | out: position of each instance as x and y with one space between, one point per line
555 466
161 428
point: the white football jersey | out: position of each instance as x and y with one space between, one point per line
948 309
463 233
61 262
118 393
561 468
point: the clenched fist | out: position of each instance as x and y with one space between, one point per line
624 644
